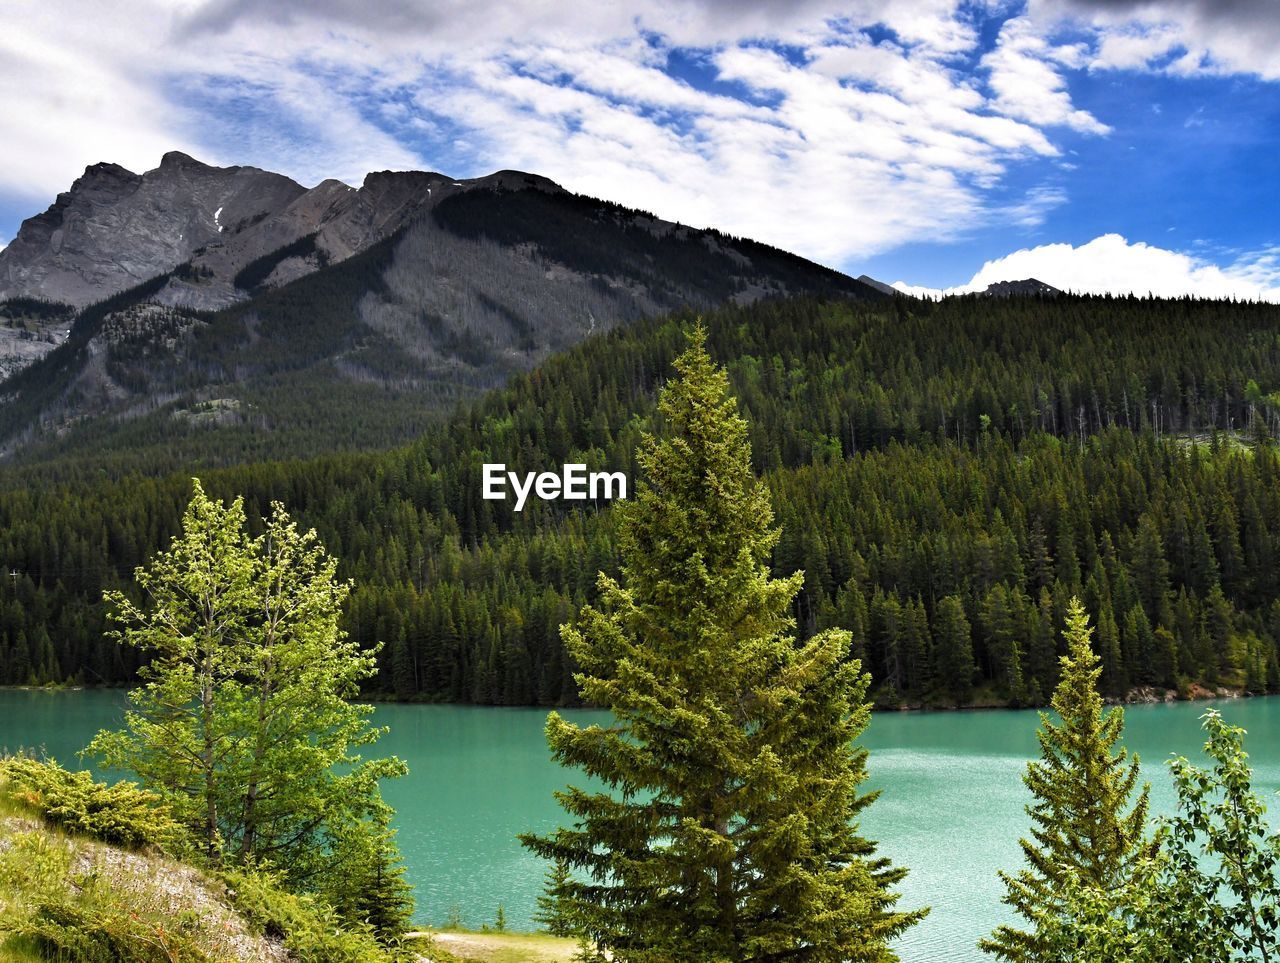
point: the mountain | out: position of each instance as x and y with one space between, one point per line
114 229
220 314
878 285
1028 286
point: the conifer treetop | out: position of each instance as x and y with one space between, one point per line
1087 826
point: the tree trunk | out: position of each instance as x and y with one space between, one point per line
207 758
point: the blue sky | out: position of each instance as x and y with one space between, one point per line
1097 144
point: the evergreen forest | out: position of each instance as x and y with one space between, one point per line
947 475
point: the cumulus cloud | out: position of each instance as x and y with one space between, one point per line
1110 264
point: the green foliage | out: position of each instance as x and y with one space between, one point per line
123 814
371 888
68 899
551 915
243 722
908 506
311 929
69 930
1220 894
1212 895
1086 827
1095 925
728 826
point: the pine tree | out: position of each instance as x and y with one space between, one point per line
956 668
728 827
372 889
1086 828
552 914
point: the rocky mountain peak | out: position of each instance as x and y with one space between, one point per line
103 173
114 229
1005 289
177 159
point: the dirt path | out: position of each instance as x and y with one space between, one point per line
506 947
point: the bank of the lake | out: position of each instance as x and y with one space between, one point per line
951 809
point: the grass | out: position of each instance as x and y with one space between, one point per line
17 950
470 947
1236 440
13 949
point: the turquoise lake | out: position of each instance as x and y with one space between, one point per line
951 808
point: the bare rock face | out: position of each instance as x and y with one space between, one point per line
342 220
114 229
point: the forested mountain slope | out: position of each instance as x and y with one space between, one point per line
346 319
948 475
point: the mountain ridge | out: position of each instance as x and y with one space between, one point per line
415 288
114 229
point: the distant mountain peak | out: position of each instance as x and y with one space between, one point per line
880 286
1006 289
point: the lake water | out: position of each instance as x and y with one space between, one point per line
951 808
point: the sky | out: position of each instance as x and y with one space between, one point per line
1098 145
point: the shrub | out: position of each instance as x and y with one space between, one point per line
57 913
122 814
309 928
64 930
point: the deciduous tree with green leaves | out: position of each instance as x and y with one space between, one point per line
244 720
727 828
1089 829
1220 893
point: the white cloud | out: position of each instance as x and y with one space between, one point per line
65 104
1025 75
850 149
1181 37
1035 206
82 83
840 149
1110 264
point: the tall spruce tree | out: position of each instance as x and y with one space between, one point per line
727 829
1088 829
